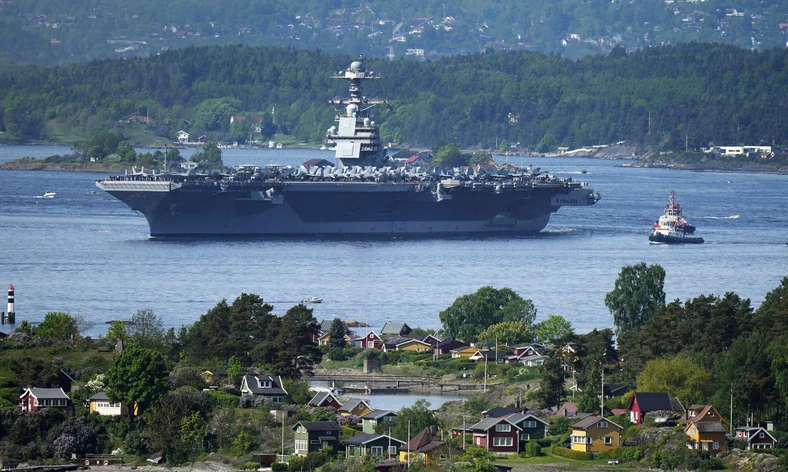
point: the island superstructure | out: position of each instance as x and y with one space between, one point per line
363 196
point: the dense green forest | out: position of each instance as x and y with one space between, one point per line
690 95
57 32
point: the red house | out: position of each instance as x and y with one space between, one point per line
497 435
35 398
643 403
756 437
371 341
445 347
325 400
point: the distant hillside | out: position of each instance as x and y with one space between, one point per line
58 32
668 98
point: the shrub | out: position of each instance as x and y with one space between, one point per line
250 465
532 449
279 467
570 454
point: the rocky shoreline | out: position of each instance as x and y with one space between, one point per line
30 163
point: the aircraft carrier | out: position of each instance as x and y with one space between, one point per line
365 195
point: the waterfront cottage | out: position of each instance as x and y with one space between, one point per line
311 436
101 404
374 418
325 400
370 341
378 445
707 436
756 437
463 351
268 387
697 413
35 398
498 435
595 434
355 406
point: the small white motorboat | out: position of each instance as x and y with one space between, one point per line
312 300
49 195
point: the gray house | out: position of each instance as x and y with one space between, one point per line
266 386
395 329
378 445
311 436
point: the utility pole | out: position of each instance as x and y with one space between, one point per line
602 365
408 444
463 432
731 425
485 374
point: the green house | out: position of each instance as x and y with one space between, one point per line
378 445
311 436
371 420
531 426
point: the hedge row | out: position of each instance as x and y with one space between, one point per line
570 454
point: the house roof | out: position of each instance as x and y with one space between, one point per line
518 418
48 393
752 431
488 423
653 401
365 438
567 409
424 441
393 328
450 342
500 412
253 384
321 397
709 427
414 341
591 420
464 348
378 414
318 162
352 404
318 425
99 396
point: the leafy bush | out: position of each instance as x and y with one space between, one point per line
532 449
570 454
279 467
712 464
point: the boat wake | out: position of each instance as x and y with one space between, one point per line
732 217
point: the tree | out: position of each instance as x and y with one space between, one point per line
637 295
552 329
116 332
137 376
297 353
58 328
679 376
508 332
471 314
146 329
336 334
450 156
418 416
551 388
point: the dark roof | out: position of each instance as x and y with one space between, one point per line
710 427
394 328
318 162
450 342
253 383
653 401
501 411
365 438
518 418
588 421
424 442
488 423
321 397
325 325
377 414
318 425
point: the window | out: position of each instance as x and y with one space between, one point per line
392 450
715 446
300 445
376 450
478 441
608 440
503 428
265 384
442 457
602 425
300 429
529 424
705 446
692 430
503 442
525 436
761 435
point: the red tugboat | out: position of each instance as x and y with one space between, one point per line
672 228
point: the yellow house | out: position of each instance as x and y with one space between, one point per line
323 340
102 405
354 406
428 450
463 352
414 345
697 413
707 436
595 434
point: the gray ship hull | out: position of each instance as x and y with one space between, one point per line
331 209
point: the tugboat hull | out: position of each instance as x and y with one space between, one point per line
661 238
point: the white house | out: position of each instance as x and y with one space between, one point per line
183 137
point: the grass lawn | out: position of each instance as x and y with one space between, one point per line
553 462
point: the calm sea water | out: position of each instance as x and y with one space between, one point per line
89 254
